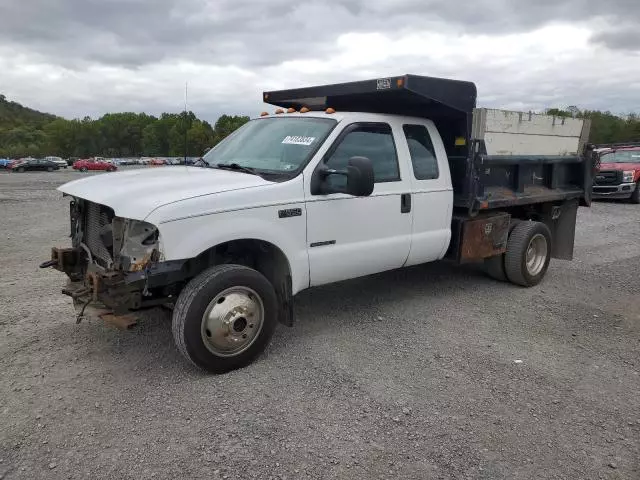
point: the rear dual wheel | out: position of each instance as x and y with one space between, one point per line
527 257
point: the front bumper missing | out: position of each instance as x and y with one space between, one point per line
112 296
624 190
89 306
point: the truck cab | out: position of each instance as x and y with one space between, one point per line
618 175
337 182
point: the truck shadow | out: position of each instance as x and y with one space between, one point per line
381 291
148 349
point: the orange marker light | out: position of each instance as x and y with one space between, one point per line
264 114
304 110
330 110
400 82
279 111
484 205
291 110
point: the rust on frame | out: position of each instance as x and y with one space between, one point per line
484 237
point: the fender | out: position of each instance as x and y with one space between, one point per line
189 237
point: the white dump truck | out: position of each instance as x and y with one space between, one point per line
340 181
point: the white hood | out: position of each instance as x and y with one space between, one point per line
136 193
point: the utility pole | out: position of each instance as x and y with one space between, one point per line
186 92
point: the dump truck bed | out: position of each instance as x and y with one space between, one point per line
497 158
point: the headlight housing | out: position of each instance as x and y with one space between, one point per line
136 244
627 176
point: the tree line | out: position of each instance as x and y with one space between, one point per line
27 132
605 126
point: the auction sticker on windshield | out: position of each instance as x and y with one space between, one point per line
298 140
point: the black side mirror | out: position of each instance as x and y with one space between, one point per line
359 173
360 177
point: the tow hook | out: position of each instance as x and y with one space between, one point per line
49 263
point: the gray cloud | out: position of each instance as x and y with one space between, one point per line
79 57
620 37
134 33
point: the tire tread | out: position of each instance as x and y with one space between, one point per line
518 241
494 267
186 298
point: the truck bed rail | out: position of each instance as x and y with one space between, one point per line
498 181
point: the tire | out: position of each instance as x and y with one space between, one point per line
83 169
523 236
494 268
201 336
21 170
635 196
49 169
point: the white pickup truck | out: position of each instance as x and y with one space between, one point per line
342 181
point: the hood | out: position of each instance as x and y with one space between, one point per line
136 193
620 166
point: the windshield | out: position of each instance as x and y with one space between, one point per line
621 156
272 145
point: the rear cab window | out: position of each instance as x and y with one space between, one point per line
422 152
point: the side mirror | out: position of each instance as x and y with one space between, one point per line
360 178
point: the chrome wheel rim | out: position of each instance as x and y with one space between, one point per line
536 254
232 321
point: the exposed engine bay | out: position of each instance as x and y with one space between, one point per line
114 264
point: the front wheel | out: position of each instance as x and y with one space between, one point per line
224 317
83 169
528 253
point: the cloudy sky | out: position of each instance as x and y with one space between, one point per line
89 57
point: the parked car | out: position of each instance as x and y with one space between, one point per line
619 173
5 162
57 160
34 164
304 198
93 164
157 162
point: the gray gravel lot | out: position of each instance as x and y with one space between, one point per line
406 374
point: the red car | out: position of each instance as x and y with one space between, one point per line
157 162
93 164
619 173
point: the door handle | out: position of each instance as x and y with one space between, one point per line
405 203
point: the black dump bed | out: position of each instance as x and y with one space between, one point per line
480 181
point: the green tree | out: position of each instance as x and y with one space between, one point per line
227 124
199 137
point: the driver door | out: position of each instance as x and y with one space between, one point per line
353 236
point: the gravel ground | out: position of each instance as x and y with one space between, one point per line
426 372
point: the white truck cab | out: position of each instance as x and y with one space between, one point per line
312 195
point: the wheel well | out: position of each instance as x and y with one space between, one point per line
260 255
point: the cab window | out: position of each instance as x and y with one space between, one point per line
423 155
371 140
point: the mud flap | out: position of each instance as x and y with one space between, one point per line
561 220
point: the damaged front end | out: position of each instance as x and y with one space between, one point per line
114 265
